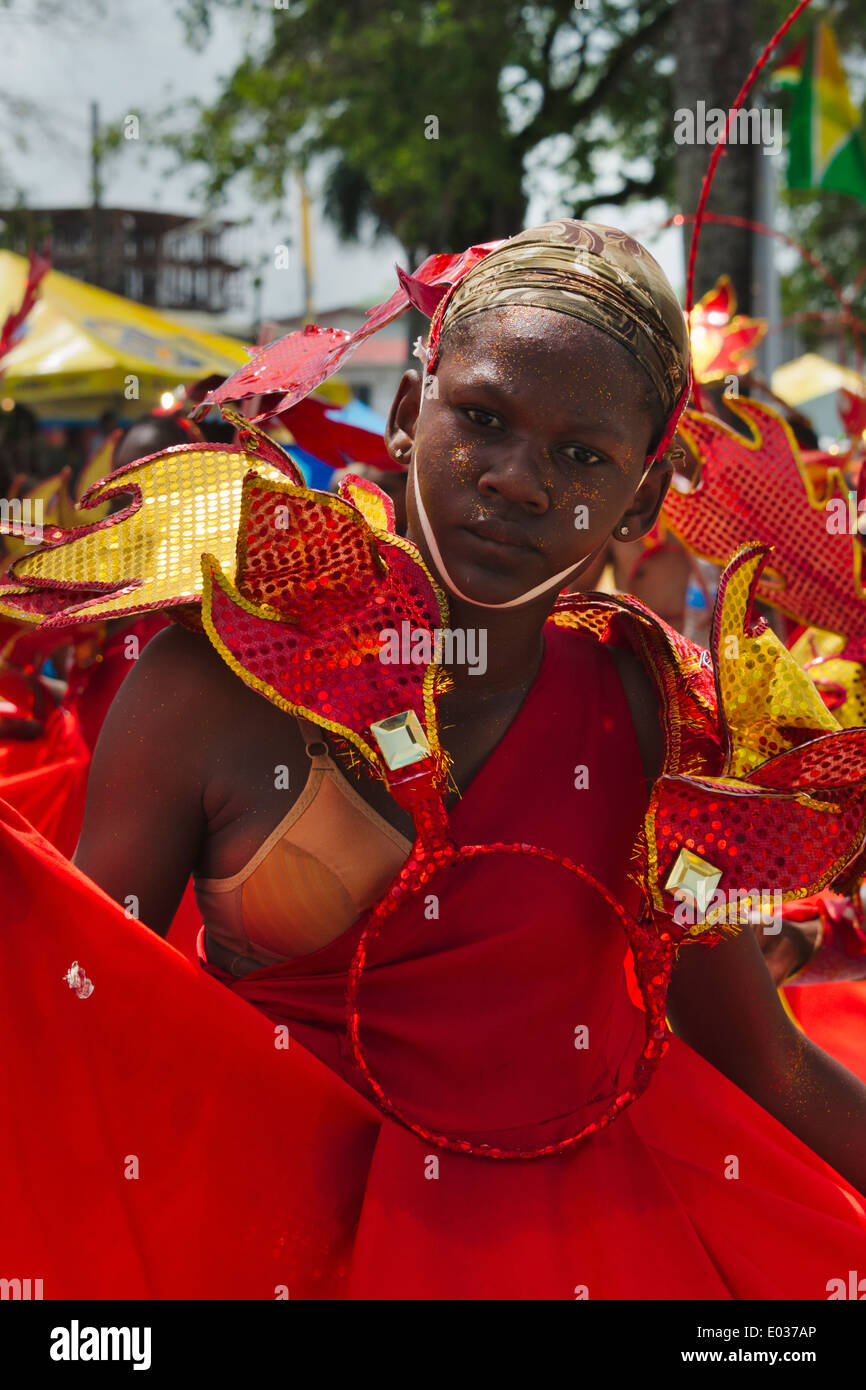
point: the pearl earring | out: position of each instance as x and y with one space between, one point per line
623 530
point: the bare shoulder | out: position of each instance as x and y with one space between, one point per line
179 670
184 657
181 695
185 759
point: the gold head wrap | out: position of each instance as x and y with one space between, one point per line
591 272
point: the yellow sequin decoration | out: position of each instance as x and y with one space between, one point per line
190 504
851 675
765 695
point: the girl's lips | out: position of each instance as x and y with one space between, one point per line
504 533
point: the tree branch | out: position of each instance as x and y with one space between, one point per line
559 113
652 187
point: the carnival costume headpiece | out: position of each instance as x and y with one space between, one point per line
595 273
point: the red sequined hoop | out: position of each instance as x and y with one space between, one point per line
653 956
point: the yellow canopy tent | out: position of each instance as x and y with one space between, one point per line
83 350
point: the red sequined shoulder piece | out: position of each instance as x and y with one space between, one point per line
783 815
681 671
761 797
326 616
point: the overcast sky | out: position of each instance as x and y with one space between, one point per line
134 60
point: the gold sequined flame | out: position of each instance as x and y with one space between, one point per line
374 505
768 702
186 501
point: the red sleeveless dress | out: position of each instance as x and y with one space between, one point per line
497 1008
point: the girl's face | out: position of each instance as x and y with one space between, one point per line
528 448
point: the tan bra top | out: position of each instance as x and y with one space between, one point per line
330 858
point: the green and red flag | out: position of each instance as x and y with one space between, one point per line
826 147
788 72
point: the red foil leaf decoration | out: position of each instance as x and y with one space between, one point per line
38 267
852 413
757 489
301 361
722 340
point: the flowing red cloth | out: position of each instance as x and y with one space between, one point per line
827 999
91 691
495 1005
156 1143
834 1016
46 779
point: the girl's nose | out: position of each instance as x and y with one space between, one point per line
516 477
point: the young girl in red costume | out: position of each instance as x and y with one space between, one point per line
456 1080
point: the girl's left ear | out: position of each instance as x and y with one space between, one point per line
643 512
403 415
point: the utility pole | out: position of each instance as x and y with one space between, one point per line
96 256
712 44
95 156
307 243
765 275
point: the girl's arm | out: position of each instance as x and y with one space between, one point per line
723 1003
823 938
143 819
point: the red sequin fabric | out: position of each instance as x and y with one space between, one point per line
757 487
319 604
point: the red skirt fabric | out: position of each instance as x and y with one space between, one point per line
45 780
158 1144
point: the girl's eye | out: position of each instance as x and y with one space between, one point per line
587 458
482 418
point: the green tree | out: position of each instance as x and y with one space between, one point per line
833 227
